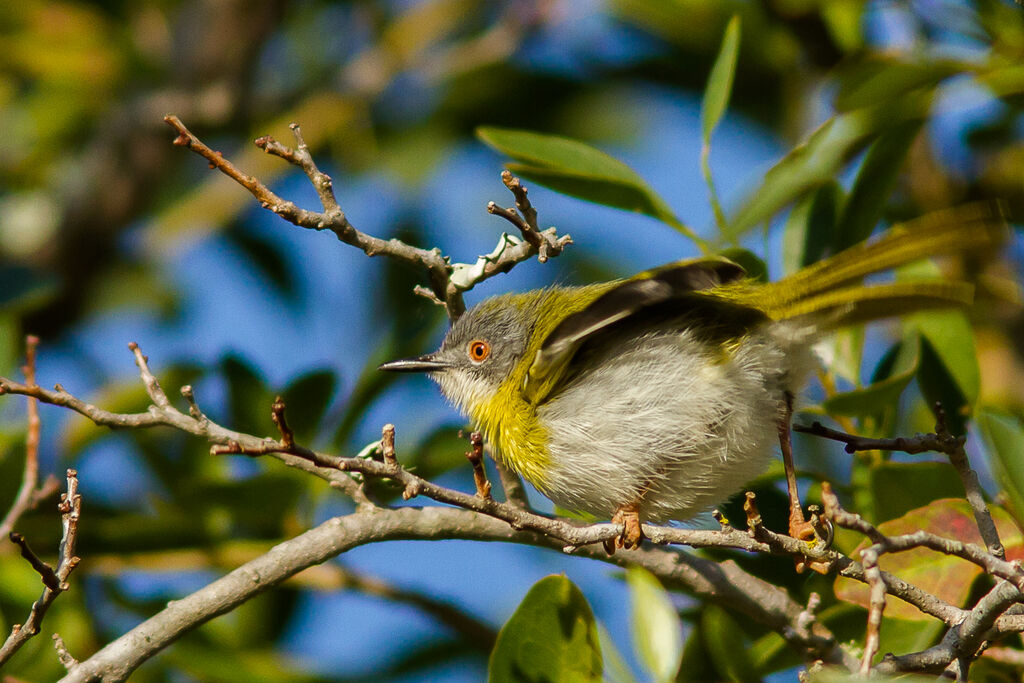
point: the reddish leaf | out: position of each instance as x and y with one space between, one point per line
945 576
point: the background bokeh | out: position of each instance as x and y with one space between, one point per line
109 234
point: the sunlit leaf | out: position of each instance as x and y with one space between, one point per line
579 170
892 497
820 158
945 576
656 630
883 78
947 338
875 181
551 636
716 95
1005 439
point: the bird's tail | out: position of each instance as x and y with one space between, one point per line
832 292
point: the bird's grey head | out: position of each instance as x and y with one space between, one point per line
479 352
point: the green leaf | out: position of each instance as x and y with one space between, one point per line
726 643
10 343
821 157
552 636
882 78
577 169
249 398
716 94
893 498
875 181
696 663
945 576
265 256
874 398
751 262
810 227
657 635
307 398
949 341
1005 440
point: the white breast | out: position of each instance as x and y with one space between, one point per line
671 422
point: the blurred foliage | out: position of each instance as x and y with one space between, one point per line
95 202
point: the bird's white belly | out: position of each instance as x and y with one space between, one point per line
669 422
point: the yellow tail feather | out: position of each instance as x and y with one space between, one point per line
851 305
970 228
831 289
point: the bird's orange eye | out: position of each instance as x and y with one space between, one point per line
479 350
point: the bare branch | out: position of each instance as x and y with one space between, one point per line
961 647
723 583
940 441
319 464
54 580
512 485
29 493
476 458
447 282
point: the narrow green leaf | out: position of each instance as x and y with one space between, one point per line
558 153
1005 439
726 643
552 636
809 231
582 171
949 335
875 181
902 364
719 88
821 157
657 634
308 398
885 78
716 99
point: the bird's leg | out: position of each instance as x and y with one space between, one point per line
799 527
632 535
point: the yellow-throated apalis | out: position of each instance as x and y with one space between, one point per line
658 396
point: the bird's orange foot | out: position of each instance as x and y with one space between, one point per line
803 530
632 535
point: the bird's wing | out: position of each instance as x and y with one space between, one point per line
661 287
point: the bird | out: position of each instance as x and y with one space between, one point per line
655 397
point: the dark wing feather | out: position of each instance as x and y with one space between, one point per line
645 292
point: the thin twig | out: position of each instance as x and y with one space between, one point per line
387 445
569 535
65 657
29 492
940 441
55 580
968 632
44 570
512 485
447 282
476 458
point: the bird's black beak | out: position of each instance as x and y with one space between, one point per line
422 364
